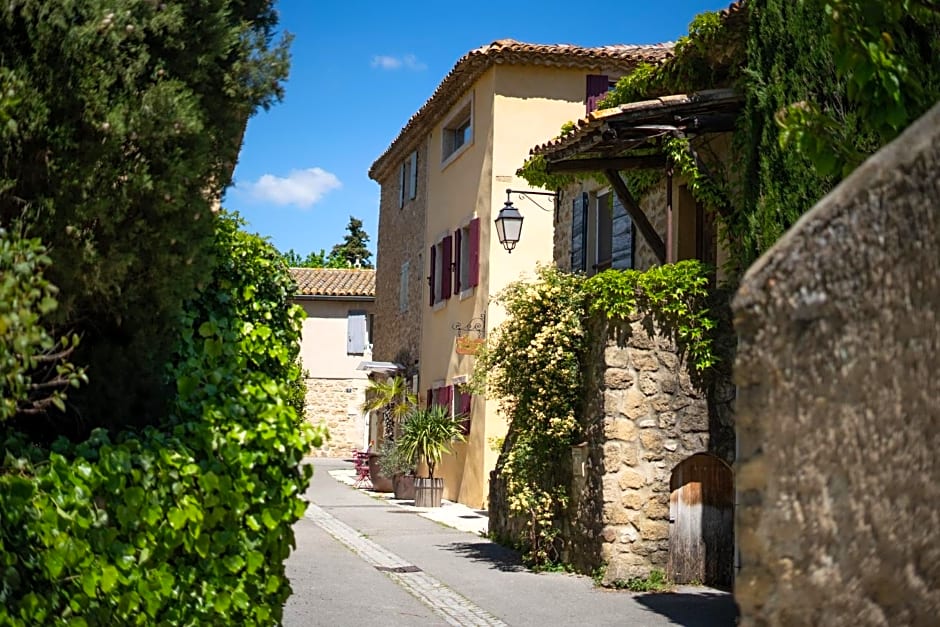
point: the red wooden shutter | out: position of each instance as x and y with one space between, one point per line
458 253
597 86
447 394
447 249
431 277
464 402
473 272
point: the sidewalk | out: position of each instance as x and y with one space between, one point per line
454 515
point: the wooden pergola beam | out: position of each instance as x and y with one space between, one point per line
636 213
645 162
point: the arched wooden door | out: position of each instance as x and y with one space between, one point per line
701 521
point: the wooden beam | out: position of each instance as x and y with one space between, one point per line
639 218
645 162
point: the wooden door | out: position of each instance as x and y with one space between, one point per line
701 522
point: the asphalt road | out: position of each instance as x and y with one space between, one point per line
360 560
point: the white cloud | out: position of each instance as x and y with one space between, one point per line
301 188
408 62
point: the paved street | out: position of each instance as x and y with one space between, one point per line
362 560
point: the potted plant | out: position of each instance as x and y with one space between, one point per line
400 467
394 399
427 434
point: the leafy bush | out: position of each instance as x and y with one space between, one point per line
189 523
34 370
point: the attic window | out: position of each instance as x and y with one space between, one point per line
457 132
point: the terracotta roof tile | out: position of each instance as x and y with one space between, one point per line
470 67
334 281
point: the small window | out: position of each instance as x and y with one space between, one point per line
467 256
439 281
403 288
458 132
408 179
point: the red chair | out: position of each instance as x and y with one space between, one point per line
361 459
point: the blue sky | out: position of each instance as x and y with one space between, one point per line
359 70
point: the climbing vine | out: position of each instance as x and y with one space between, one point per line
534 363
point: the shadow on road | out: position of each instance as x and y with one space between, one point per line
700 609
498 557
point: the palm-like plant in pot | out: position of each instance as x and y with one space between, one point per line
395 400
427 434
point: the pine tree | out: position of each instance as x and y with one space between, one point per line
353 250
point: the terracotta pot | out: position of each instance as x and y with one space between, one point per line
380 483
404 487
428 492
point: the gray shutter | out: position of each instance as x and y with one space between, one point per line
356 336
413 183
401 187
578 233
623 237
403 288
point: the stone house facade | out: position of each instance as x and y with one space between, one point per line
336 338
652 485
444 178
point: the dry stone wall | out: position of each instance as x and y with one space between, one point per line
643 416
336 403
839 403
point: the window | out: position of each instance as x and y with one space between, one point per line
467 256
457 399
597 87
403 288
408 179
357 336
458 132
602 234
441 266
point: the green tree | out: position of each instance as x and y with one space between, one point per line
314 260
353 250
120 125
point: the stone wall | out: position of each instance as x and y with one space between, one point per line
839 403
643 416
337 402
397 334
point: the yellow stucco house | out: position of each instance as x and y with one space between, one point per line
443 180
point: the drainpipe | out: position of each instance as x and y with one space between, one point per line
670 252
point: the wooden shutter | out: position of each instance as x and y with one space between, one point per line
356 336
447 250
432 277
458 253
401 187
413 183
577 235
430 397
462 407
473 271
597 86
623 237
403 288
446 395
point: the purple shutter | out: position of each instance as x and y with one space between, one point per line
463 408
597 85
447 249
431 277
446 395
458 253
473 272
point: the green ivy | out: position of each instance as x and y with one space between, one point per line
534 363
188 523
